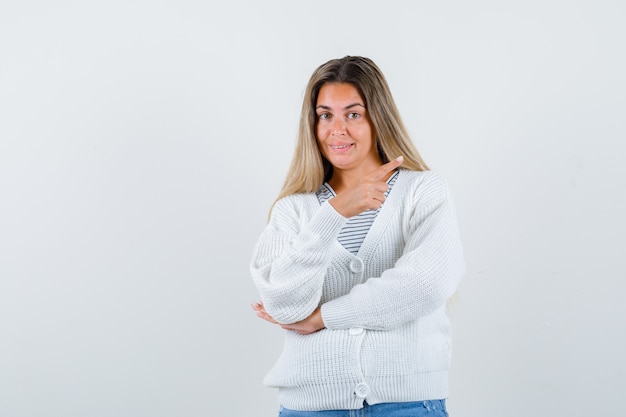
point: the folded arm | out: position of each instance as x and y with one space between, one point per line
290 260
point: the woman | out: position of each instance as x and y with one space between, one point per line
358 259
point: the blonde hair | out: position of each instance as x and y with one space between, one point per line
309 169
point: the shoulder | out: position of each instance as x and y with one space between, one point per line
292 201
293 207
425 185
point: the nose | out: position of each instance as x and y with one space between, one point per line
339 127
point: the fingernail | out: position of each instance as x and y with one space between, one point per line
400 158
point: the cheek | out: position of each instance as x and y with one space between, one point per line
363 132
321 131
370 134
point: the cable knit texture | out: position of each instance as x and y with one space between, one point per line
387 335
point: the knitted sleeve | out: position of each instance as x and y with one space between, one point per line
291 257
422 279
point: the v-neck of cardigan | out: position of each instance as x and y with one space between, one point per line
361 224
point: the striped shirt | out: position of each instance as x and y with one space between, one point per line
354 231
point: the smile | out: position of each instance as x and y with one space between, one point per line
339 147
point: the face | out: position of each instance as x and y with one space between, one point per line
344 130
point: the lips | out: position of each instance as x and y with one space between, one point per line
341 148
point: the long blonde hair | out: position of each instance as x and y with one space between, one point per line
309 169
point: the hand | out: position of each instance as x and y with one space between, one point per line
260 312
309 325
368 194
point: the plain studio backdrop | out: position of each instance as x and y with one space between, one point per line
143 142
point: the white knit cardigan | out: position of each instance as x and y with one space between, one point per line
387 335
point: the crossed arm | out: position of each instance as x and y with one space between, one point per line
309 325
367 194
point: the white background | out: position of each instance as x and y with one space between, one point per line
142 143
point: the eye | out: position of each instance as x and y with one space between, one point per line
353 115
324 116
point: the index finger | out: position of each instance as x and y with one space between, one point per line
388 167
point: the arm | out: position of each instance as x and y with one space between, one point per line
290 260
423 278
309 325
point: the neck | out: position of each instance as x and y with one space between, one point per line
342 180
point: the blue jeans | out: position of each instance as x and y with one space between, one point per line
429 408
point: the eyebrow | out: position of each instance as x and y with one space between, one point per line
349 106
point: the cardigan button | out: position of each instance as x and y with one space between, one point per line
355 331
356 265
361 390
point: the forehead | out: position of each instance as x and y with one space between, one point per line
338 93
